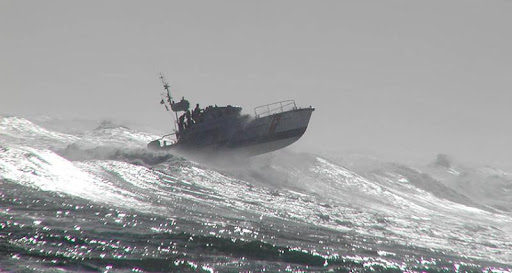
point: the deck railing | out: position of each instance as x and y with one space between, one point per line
168 140
274 108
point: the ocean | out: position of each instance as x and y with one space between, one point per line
76 198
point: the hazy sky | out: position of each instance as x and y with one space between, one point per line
406 79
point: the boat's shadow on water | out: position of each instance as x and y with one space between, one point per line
261 170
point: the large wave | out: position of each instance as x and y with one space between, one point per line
388 203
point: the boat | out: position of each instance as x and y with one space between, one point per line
225 129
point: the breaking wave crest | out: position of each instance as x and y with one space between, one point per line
98 200
137 156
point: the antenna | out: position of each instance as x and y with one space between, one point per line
167 88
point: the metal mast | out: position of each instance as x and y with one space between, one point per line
167 88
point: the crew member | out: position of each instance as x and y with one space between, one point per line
189 119
181 123
196 114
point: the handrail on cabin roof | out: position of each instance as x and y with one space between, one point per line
274 108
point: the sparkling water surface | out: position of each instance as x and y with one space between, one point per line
97 200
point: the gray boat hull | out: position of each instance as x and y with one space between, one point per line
243 135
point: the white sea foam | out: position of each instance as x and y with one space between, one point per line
391 204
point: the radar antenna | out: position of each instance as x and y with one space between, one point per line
170 102
167 88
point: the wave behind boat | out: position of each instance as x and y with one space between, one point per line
90 197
